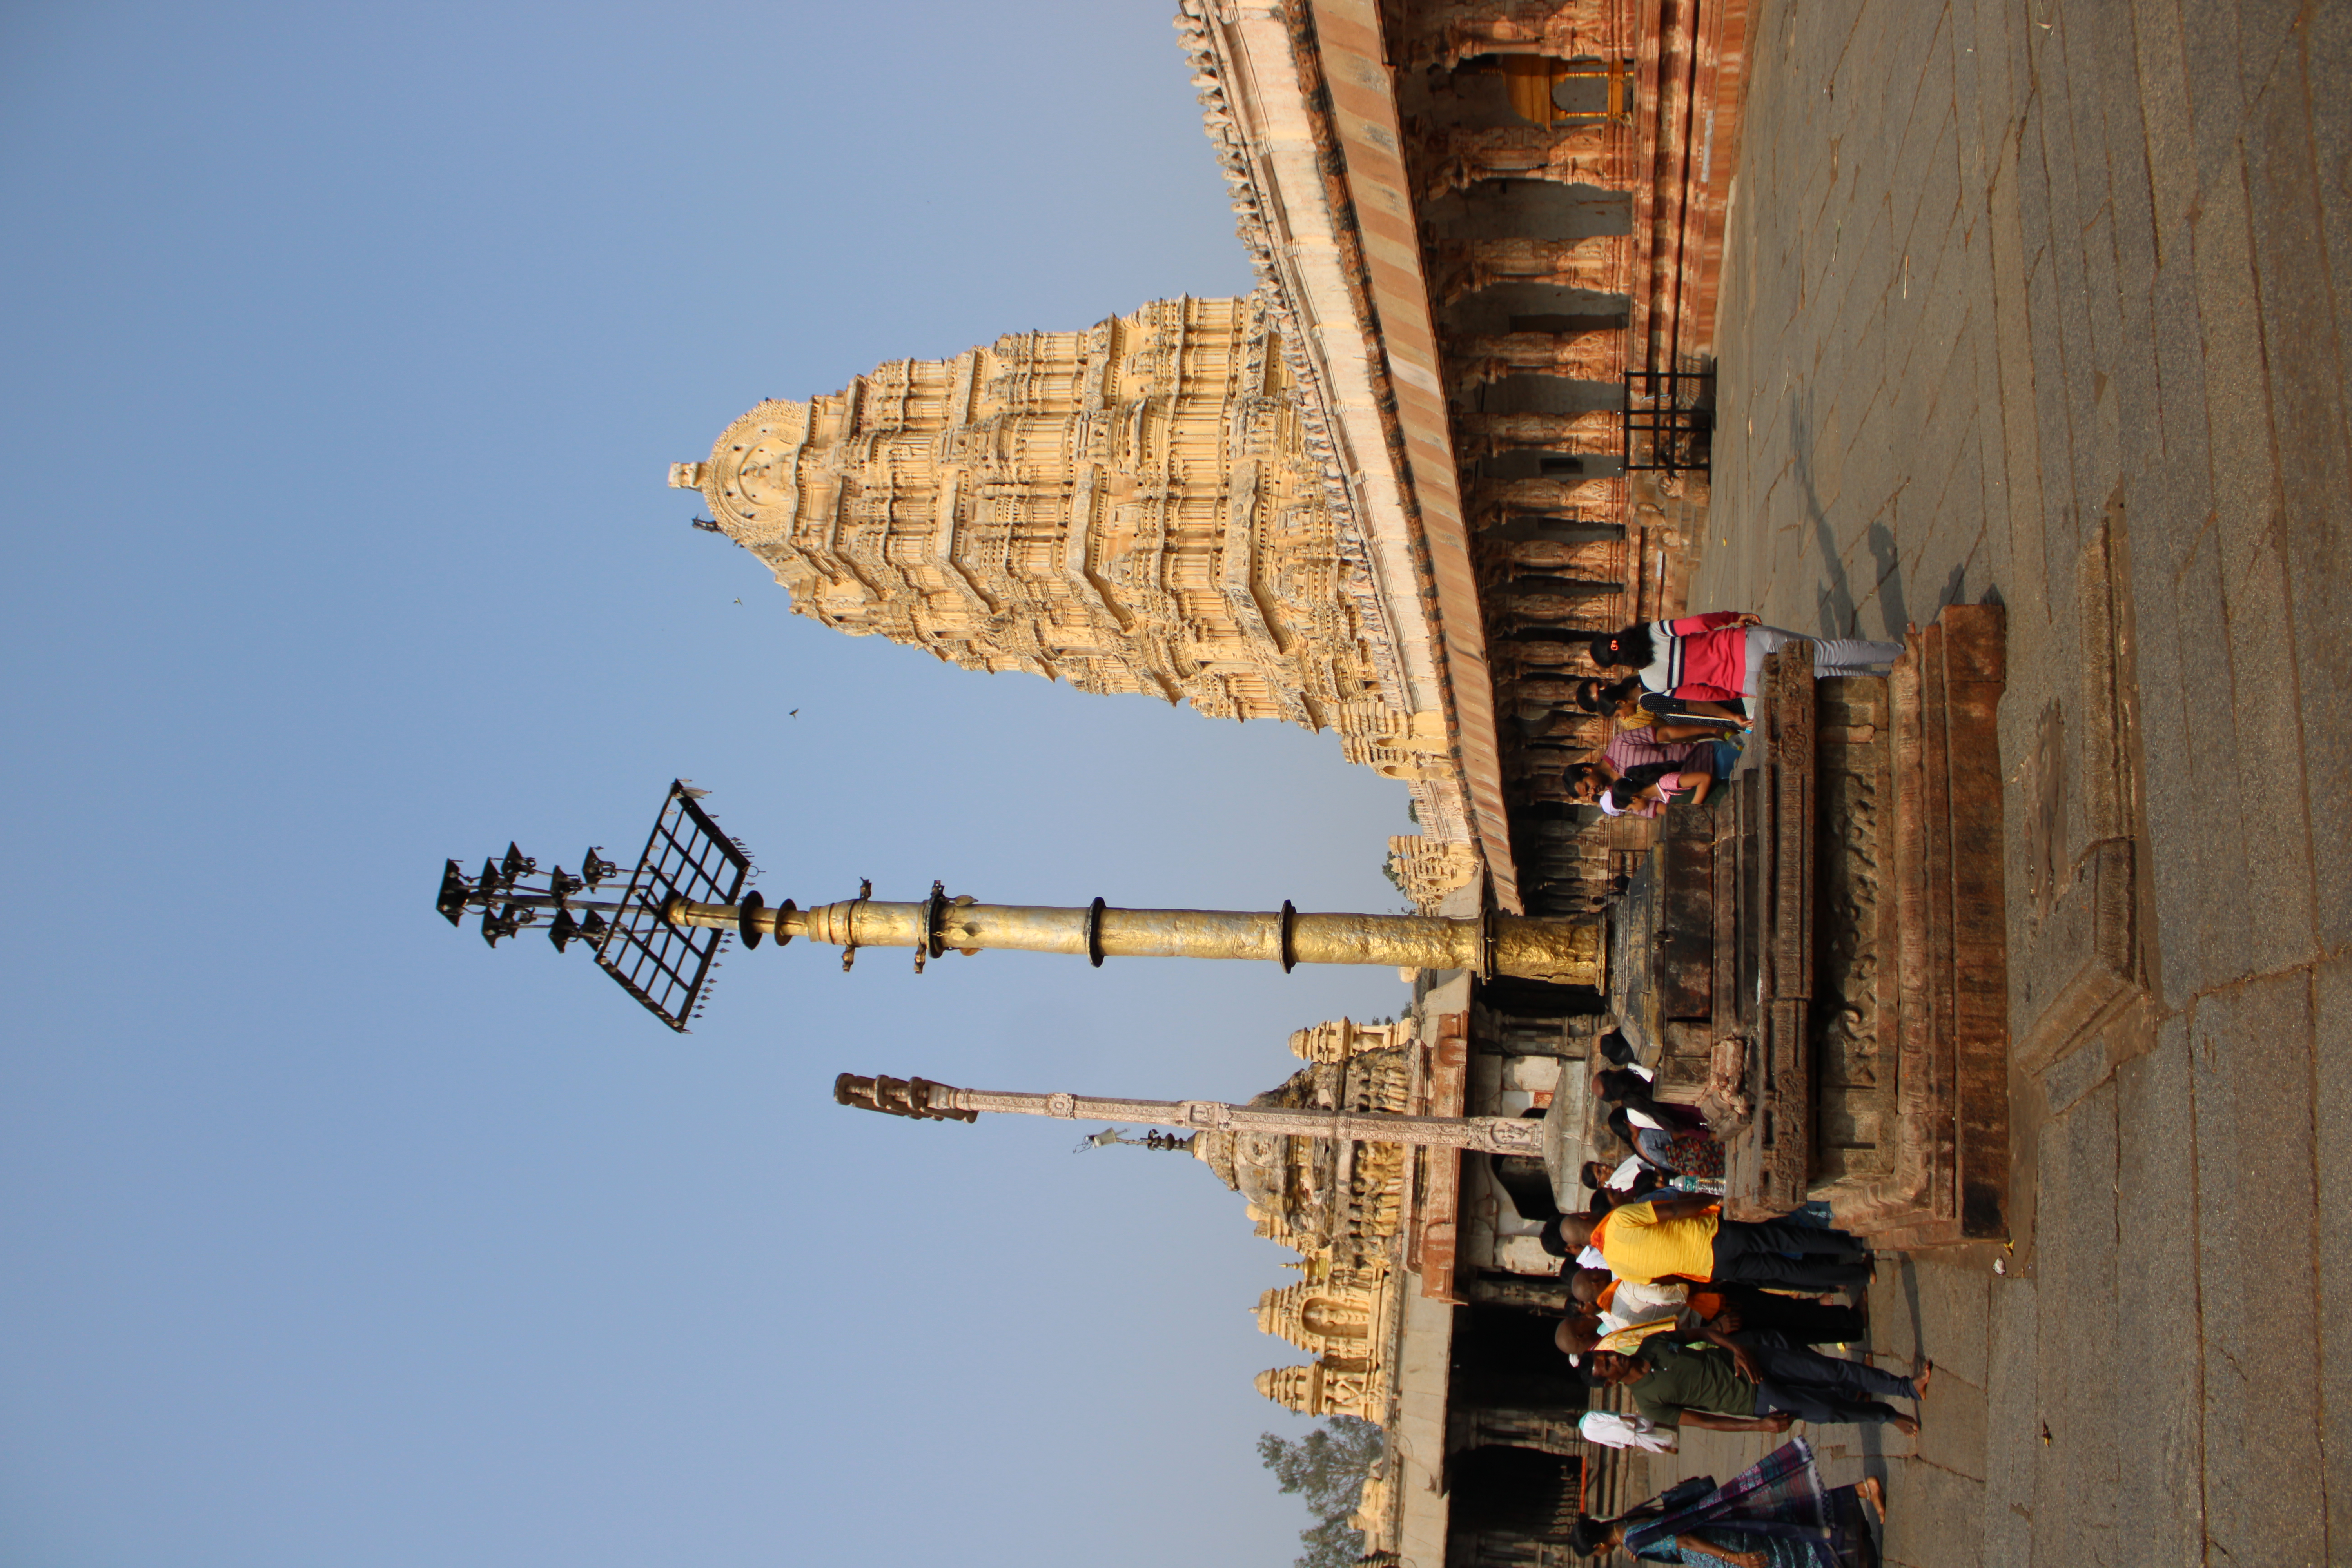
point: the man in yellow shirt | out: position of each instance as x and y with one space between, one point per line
1685 1237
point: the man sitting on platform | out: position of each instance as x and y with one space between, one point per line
1696 1154
1630 1087
1631 1178
1687 1238
1700 761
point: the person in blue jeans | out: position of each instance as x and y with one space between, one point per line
1637 757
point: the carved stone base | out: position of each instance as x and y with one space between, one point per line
1948 1179
1832 974
1768 1168
1563 952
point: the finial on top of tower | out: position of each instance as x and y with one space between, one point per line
688 476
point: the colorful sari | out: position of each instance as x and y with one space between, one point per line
1778 1507
1687 1153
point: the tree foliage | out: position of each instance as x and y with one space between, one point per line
1327 1469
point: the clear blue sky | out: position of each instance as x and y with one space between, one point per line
345 349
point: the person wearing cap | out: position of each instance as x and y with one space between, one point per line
1685 1237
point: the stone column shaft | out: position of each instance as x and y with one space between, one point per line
921 1099
1568 952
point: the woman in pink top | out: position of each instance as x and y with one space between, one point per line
1718 656
1641 791
1698 764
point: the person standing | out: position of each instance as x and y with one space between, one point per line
1631 1087
1685 1237
1616 1429
1756 1383
1726 1309
1720 656
1774 1514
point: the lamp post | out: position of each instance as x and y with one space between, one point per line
667 968
924 1101
688 894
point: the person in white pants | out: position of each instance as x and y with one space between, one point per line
1832 656
1719 655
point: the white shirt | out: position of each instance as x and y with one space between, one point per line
1634 1303
1623 1429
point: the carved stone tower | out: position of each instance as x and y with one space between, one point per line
1131 509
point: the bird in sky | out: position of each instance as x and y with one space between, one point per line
739 601
793 714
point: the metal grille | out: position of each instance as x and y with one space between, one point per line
1669 420
667 967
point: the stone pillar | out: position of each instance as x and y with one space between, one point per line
1596 263
1455 30
1554 496
1579 357
1593 561
1596 431
1589 154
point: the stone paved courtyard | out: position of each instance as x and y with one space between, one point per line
2037 301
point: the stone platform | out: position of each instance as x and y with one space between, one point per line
1832 976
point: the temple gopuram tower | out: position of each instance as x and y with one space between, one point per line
1136 508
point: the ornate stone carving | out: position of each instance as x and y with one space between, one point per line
1448 34
1853 986
1592 155
1131 509
1595 561
1150 506
1331 1318
1430 869
1596 263
1555 498
1342 1038
1557 952
1578 356
1598 430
